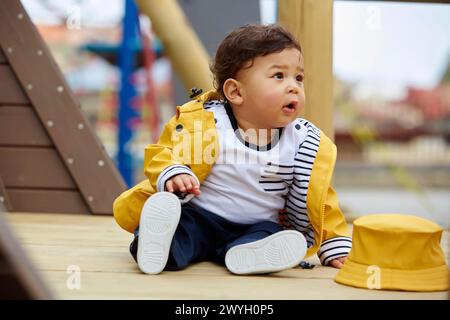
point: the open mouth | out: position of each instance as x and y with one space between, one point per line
290 107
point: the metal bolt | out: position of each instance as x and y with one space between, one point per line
50 123
10 50
39 52
69 160
90 198
2 199
60 89
29 86
20 16
101 163
80 126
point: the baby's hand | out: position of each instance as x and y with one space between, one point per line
338 262
183 183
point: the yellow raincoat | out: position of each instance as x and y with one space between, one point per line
192 121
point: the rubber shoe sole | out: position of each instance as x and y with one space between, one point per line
159 220
280 251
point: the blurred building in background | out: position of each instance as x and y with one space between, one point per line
392 108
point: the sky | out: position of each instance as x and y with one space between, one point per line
381 45
91 12
391 44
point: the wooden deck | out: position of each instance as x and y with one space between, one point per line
99 248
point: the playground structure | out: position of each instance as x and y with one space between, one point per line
51 159
53 164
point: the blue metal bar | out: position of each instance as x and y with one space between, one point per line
127 111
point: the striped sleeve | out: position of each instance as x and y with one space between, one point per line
171 171
334 248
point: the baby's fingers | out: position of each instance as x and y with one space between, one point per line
342 259
183 183
179 183
187 181
336 264
195 186
169 186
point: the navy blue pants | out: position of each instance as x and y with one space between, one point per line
204 236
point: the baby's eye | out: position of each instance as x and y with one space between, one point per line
278 75
299 78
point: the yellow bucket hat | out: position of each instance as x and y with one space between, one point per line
395 252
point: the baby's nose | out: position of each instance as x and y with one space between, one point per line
293 88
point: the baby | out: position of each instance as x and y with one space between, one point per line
237 177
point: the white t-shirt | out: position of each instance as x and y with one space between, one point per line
247 185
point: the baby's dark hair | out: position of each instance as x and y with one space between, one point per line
246 43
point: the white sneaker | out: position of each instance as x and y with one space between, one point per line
159 220
279 251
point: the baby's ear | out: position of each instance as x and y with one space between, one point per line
232 91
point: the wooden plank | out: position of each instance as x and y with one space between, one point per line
2 57
209 284
94 173
311 22
58 201
5 204
20 126
34 168
18 277
56 241
11 91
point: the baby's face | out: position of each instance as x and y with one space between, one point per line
272 89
